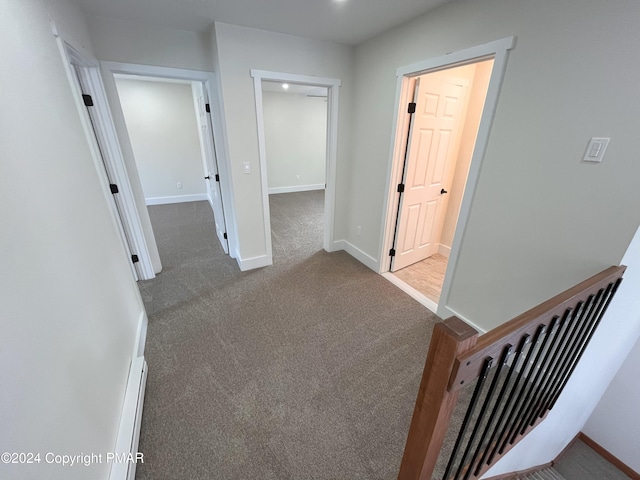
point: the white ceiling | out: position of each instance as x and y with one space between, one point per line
344 21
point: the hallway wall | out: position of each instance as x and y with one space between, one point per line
70 306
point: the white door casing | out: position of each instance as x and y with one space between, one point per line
432 150
84 77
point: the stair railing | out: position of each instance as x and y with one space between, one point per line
519 369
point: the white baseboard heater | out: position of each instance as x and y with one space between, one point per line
129 430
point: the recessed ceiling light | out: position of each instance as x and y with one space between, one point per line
285 86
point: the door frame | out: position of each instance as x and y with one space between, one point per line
211 87
332 85
498 50
106 153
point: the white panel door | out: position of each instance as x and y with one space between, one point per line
211 162
432 147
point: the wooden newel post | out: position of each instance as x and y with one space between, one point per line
434 405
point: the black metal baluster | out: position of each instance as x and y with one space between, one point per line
535 384
583 310
483 410
467 417
526 365
521 346
497 404
611 291
564 328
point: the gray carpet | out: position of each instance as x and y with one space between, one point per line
307 369
580 462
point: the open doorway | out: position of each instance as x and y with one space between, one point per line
445 109
168 126
441 137
331 86
295 133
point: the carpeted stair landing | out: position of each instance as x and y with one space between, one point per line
546 474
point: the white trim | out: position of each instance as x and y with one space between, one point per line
253 262
412 292
499 51
296 188
214 93
333 91
444 250
356 253
196 197
130 421
141 335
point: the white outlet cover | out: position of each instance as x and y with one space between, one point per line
596 148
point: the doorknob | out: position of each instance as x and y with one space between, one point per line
207 177
443 191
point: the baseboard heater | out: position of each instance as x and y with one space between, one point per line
129 430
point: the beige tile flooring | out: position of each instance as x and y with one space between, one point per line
426 276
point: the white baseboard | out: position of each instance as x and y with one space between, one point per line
254 262
296 188
444 250
356 253
197 197
129 428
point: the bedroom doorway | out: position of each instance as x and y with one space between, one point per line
445 108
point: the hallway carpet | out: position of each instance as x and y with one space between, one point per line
307 369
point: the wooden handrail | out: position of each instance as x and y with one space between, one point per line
558 330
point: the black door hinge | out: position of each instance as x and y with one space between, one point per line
113 187
412 108
135 259
400 187
88 101
207 107
217 177
392 252
225 235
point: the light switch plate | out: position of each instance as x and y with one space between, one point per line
246 167
596 148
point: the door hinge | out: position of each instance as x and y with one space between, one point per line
217 177
225 235
392 252
135 259
207 107
113 187
400 187
412 107
88 101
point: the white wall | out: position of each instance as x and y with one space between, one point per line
127 41
70 307
161 120
241 49
615 422
295 130
541 220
